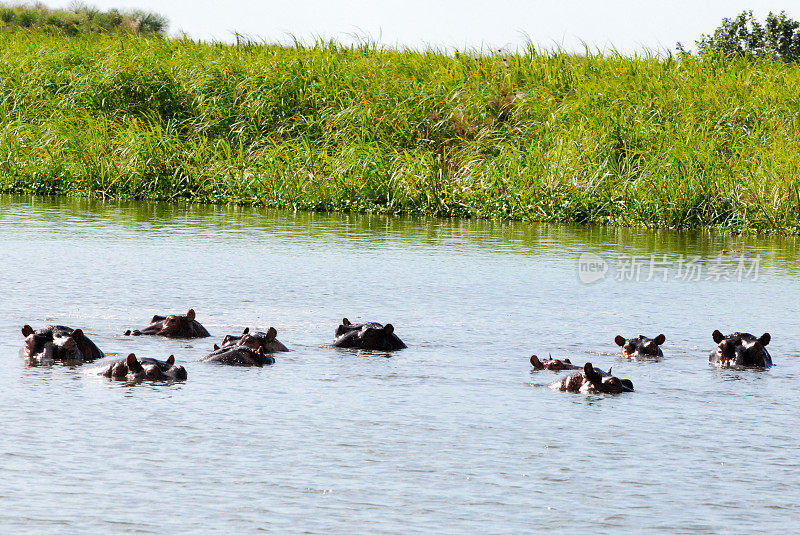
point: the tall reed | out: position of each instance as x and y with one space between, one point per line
547 136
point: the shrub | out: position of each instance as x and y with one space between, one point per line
80 18
743 35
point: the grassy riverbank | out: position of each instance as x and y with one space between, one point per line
551 137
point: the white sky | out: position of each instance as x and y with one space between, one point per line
627 25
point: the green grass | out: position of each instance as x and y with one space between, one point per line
605 139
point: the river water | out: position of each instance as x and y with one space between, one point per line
454 434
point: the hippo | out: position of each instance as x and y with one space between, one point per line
57 342
136 369
641 346
552 364
740 349
592 381
239 355
367 336
264 340
173 326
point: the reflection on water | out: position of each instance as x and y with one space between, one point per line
455 430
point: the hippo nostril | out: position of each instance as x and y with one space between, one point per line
628 384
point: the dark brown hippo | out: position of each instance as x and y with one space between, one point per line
239 355
552 364
173 326
641 347
56 342
592 381
740 350
367 336
135 369
265 340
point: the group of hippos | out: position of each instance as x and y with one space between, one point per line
737 350
56 342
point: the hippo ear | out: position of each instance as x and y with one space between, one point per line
77 333
660 339
388 329
27 330
345 321
619 340
216 347
131 361
717 336
765 338
591 374
567 361
190 314
171 360
246 330
271 334
154 319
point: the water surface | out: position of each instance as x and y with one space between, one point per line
453 434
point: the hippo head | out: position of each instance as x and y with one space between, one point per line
231 339
138 370
555 365
368 335
257 342
176 324
378 337
344 327
592 380
149 369
135 369
52 344
173 371
602 383
740 349
118 370
173 326
641 346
